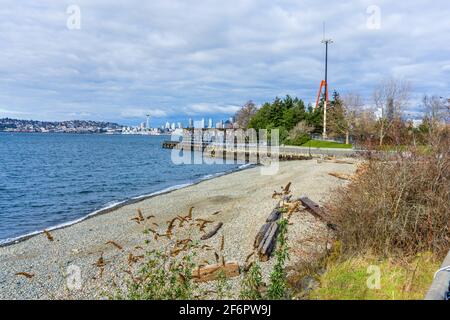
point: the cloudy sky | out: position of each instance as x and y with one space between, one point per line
182 58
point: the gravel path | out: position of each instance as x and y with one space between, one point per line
243 199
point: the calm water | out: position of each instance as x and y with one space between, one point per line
51 179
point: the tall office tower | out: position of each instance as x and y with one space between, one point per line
191 123
210 123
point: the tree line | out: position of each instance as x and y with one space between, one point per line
385 122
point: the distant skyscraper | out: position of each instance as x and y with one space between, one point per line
202 125
173 126
210 123
179 125
228 124
148 122
191 123
220 125
167 125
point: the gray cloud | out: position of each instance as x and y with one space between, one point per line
195 58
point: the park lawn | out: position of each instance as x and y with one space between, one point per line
326 144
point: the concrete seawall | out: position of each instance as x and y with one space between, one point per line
285 152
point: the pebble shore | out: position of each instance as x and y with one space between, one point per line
243 198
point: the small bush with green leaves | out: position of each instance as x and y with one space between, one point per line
252 283
162 277
278 287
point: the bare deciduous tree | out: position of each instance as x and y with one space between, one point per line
352 104
244 114
436 109
300 128
390 96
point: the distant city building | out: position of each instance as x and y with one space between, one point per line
72 126
191 123
228 124
199 124
179 125
167 125
210 123
219 125
173 127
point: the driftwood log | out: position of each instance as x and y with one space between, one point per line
267 245
212 232
274 215
266 237
212 271
316 211
260 235
339 161
339 175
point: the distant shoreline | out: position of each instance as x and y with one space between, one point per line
86 133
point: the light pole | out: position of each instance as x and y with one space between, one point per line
326 41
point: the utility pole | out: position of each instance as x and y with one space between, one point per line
326 41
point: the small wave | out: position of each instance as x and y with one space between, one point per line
247 165
59 226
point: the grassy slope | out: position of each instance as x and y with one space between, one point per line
326 144
403 280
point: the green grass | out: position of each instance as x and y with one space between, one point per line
326 144
403 280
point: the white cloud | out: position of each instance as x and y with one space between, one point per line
208 108
195 57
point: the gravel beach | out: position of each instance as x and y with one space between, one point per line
243 199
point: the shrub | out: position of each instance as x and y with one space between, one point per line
223 287
252 283
398 204
278 279
298 140
162 277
